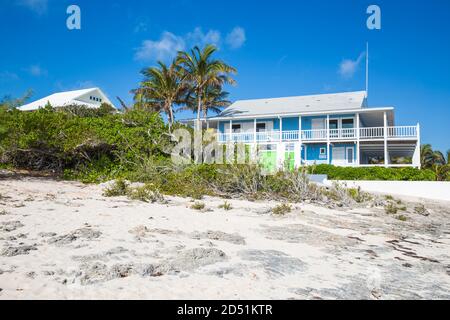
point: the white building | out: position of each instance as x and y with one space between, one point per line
91 98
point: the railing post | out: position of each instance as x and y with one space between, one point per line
254 132
328 138
358 156
417 161
281 129
300 137
386 156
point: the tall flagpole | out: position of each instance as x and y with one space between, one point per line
367 70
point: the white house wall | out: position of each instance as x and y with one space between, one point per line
96 94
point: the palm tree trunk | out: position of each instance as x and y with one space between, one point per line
170 117
199 108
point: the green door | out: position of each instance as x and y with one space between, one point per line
268 160
289 160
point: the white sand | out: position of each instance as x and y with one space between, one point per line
311 253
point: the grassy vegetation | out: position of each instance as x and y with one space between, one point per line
226 206
198 206
118 188
145 193
402 218
282 209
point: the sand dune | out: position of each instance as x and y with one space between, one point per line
64 240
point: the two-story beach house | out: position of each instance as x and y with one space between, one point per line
338 129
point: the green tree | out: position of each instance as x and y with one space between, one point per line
8 102
200 70
430 157
161 89
213 99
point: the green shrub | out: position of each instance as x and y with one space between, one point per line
88 145
401 218
226 206
373 173
420 209
282 209
358 195
391 208
198 206
118 188
146 193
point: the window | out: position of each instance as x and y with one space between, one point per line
260 127
236 128
347 123
267 147
350 155
323 153
334 124
290 147
318 124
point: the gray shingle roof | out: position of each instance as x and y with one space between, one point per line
311 103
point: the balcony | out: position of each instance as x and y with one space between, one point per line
323 135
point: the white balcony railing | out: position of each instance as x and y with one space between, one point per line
402 132
372 133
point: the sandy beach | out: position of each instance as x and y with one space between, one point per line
65 240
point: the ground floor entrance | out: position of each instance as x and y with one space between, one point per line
274 156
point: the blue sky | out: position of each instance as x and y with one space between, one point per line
280 48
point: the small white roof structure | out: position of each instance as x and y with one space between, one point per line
300 104
91 98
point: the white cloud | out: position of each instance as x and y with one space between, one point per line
236 38
348 67
140 27
60 86
38 6
169 44
197 37
164 49
37 71
7 76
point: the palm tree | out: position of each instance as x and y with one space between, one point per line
448 156
161 89
213 99
438 158
426 155
200 70
430 157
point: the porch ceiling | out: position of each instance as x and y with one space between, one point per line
376 118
